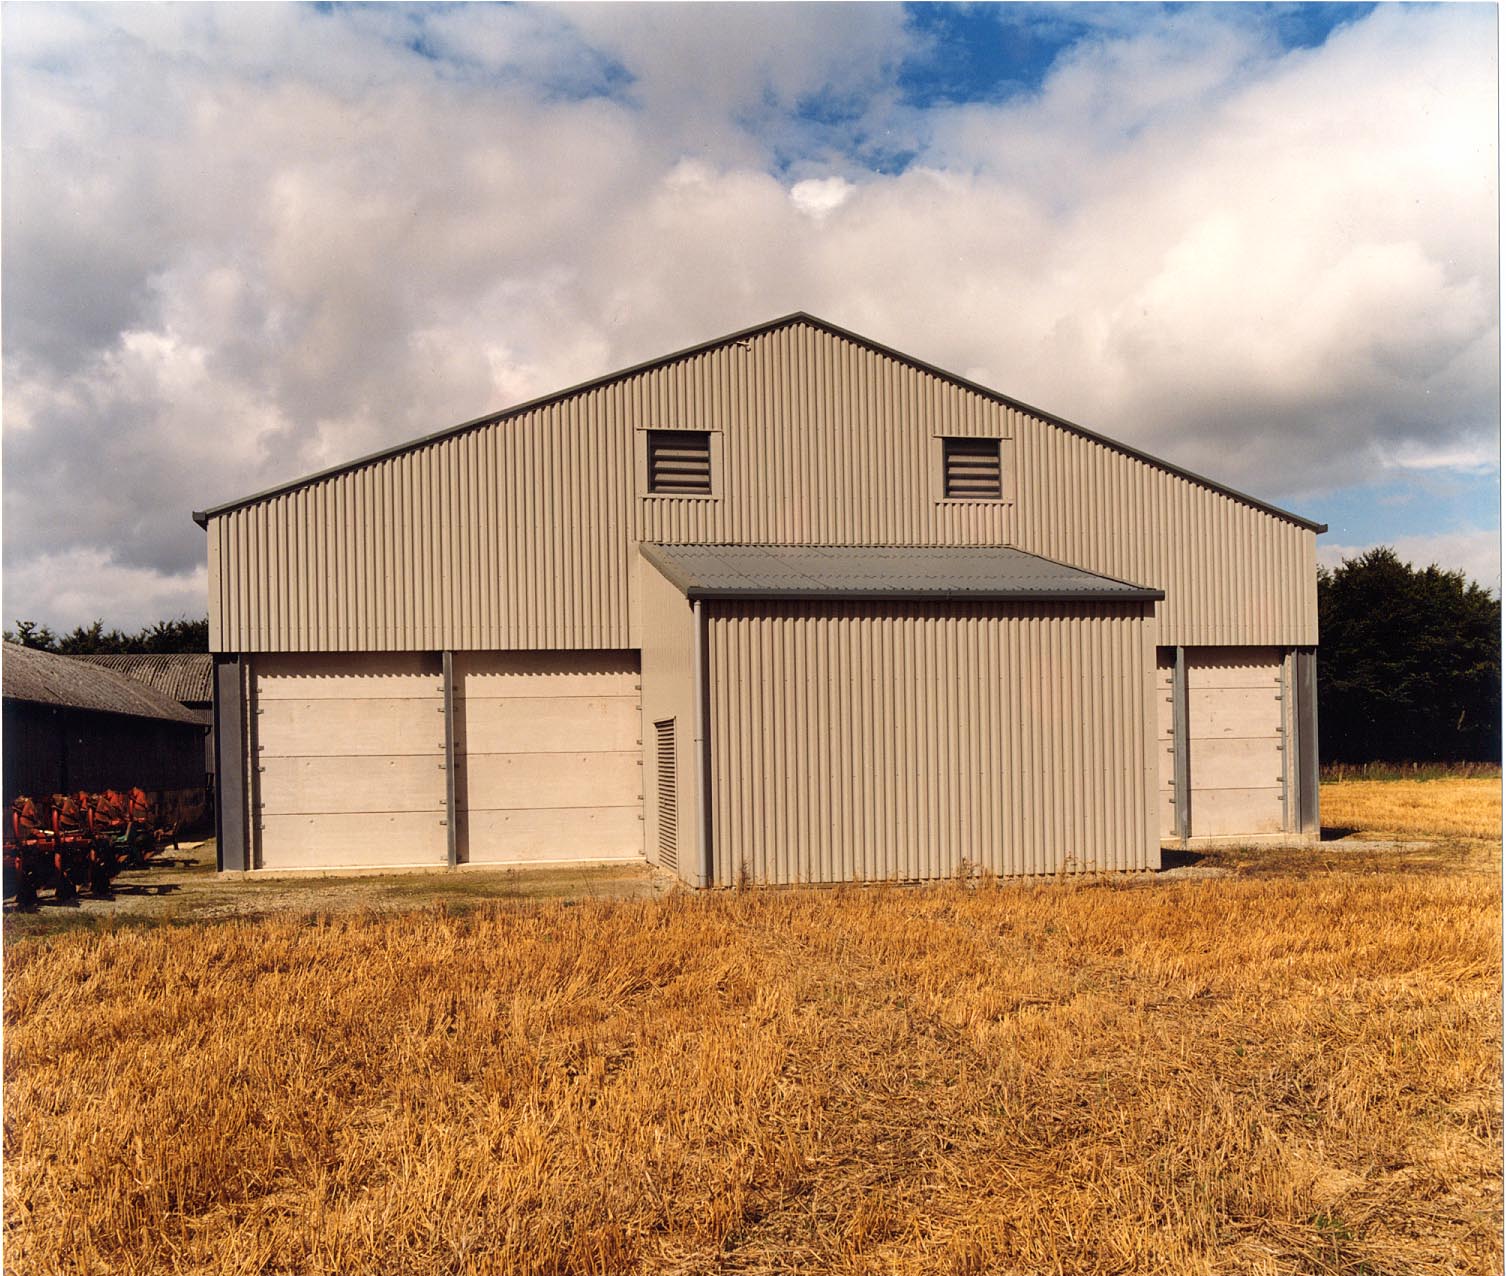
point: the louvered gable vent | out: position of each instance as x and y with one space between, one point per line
971 469
669 807
679 462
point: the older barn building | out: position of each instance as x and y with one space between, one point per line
72 725
184 676
789 606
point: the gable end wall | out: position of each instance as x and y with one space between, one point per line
522 533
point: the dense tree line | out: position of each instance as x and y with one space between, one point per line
161 638
1409 664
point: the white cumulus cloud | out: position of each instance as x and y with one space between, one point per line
245 242
1475 553
818 196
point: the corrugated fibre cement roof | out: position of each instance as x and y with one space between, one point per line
869 572
43 677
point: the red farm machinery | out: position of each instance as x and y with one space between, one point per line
71 842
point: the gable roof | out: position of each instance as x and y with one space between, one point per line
201 517
185 676
868 572
44 678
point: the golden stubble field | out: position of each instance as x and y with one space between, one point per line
1416 808
1295 1068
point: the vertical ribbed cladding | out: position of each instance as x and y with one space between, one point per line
516 535
522 533
872 741
823 442
214 531
1232 573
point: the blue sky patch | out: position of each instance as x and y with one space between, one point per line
991 52
1410 505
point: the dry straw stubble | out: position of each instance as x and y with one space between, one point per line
1265 1074
1418 808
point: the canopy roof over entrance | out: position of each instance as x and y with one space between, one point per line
917 573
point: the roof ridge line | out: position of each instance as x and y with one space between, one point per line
202 517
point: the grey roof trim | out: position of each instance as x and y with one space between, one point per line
202 517
803 585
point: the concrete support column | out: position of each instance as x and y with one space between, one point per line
706 873
451 828
1305 664
1180 754
232 843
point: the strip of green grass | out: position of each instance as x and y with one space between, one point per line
1338 772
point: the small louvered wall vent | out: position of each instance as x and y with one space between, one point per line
669 818
972 469
679 462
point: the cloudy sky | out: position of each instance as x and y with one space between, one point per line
241 243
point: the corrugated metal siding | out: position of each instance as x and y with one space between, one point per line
864 741
824 442
522 534
513 536
1233 574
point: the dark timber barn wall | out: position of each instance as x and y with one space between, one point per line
521 533
187 677
49 750
70 726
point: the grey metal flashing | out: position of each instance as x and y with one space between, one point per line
922 596
1288 744
1181 768
202 517
702 744
1309 817
230 840
447 677
870 573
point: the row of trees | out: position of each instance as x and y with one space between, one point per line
1409 666
162 638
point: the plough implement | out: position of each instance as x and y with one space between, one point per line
75 841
